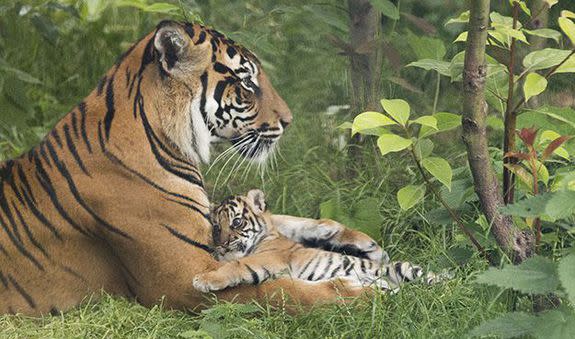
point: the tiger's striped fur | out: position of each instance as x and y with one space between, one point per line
113 197
256 251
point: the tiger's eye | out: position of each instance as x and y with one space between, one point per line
237 222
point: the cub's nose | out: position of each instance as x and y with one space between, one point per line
284 123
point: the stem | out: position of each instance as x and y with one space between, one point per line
452 213
509 237
437 88
510 119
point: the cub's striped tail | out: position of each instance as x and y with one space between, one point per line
391 276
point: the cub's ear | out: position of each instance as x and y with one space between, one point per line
171 45
257 199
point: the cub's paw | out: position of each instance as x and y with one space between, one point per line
203 283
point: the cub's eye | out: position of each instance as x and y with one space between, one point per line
237 222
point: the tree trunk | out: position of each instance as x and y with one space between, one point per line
365 59
518 244
366 62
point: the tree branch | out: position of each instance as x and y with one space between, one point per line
510 118
452 214
509 238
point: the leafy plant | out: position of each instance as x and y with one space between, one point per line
536 276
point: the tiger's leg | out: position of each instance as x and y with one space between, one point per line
253 269
329 235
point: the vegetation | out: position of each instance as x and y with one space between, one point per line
411 187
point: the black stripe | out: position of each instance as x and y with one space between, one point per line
111 110
73 150
154 142
82 109
188 240
192 207
32 207
75 125
255 277
29 232
318 259
4 280
119 162
25 182
6 209
22 292
46 184
101 84
73 189
56 137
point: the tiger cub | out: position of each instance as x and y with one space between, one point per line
255 251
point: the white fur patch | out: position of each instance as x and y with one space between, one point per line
201 133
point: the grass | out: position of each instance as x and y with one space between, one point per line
448 310
310 169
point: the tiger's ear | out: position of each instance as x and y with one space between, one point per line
257 199
178 54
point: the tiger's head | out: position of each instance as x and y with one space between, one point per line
224 92
241 223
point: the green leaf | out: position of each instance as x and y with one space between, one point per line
547 33
461 19
440 169
551 2
544 58
369 120
561 205
522 5
345 125
528 208
386 8
388 143
427 120
508 325
423 148
536 275
442 67
566 271
445 122
567 14
426 47
568 27
461 37
410 195
555 324
398 109
534 85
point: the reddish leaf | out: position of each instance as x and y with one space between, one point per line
553 145
528 135
517 155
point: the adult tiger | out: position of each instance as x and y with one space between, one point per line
113 198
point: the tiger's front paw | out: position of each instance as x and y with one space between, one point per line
204 283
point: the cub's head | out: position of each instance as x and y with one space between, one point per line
241 224
218 90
